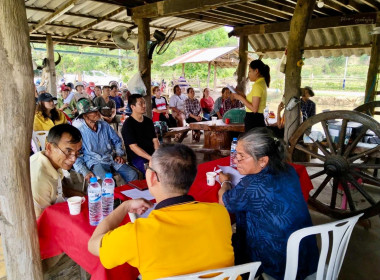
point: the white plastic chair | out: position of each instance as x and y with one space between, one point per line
230 273
341 232
39 139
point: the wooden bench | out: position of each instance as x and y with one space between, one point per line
179 132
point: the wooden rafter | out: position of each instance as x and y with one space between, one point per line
103 18
357 19
251 12
267 10
372 3
178 7
63 9
317 48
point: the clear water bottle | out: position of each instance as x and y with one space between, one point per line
266 112
108 187
94 202
233 152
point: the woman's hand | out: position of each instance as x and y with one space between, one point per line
237 96
224 177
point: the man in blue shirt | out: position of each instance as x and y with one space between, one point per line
99 141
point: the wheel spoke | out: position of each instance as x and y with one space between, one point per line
307 151
328 138
315 175
334 193
319 145
355 142
348 195
342 136
367 177
367 152
361 190
365 166
310 164
322 186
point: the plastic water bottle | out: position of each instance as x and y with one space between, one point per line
108 187
94 202
233 152
266 112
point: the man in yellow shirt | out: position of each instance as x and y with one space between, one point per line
180 236
63 144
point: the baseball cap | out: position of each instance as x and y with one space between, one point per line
45 97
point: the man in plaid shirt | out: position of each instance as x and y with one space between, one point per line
307 106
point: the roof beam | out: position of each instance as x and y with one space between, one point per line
169 8
40 38
317 48
372 3
63 9
103 18
198 32
317 23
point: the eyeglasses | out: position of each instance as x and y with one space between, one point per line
146 167
241 158
71 154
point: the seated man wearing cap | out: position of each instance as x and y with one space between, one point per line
106 105
63 144
114 95
179 236
307 106
80 92
99 141
47 115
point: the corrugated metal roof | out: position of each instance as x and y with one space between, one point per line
337 41
201 56
90 22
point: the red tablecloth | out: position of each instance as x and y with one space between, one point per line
59 232
201 192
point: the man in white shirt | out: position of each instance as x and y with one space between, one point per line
63 144
177 104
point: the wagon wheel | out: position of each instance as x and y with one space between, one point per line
369 108
343 167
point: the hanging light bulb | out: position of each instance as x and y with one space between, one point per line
320 3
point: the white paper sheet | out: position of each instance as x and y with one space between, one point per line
146 214
135 193
235 175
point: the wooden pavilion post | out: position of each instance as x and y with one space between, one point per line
243 59
208 74
297 34
373 69
214 76
17 218
144 62
183 70
51 66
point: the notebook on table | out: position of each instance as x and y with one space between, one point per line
139 184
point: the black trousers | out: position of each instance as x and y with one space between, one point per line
253 120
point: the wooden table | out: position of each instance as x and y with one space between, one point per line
218 136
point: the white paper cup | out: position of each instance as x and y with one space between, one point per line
211 178
75 204
213 120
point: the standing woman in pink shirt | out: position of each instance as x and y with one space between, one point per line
207 104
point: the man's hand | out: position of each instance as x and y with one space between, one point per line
88 176
224 177
138 206
119 159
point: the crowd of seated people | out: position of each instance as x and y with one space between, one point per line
93 148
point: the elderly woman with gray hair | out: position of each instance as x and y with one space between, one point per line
268 205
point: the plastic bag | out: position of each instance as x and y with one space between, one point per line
136 85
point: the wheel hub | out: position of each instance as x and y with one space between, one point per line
336 166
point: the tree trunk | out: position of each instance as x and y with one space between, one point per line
373 69
242 67
144 62
51 66
298 29
18 221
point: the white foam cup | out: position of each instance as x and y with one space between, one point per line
75 203
213 120
211 178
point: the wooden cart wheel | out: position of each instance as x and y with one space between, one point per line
343 166
370 108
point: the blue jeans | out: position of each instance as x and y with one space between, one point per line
126 172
